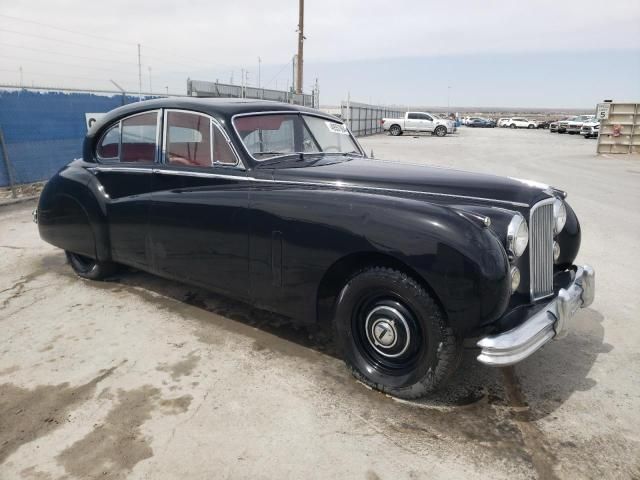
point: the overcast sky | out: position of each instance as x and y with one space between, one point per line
490 53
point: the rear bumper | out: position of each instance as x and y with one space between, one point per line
551 322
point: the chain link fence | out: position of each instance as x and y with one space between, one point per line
364 119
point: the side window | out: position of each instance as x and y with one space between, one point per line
222 152
139 135
109 147
413 116
188 139
426 117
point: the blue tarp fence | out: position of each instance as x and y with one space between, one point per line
44 130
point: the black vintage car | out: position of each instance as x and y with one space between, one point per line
278 206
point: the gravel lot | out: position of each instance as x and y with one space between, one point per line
141 377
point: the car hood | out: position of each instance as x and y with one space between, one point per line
430 182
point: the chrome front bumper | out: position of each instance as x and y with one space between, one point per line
551 322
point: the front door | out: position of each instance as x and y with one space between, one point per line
199 229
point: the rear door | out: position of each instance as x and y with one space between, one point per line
199 229
126 155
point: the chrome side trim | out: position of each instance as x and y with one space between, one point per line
515 345
103 168
336 184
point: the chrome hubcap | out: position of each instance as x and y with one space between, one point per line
387 331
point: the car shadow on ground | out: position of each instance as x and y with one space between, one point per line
544 381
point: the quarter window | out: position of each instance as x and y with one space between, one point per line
109 148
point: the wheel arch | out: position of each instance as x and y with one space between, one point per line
339 273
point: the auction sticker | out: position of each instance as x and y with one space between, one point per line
337 128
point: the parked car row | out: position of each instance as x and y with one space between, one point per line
585 125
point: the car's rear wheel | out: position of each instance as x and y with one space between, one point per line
393 335
395 130
440 131
87 267
513 125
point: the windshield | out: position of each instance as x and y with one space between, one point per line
273 135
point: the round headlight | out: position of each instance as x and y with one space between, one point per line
517 235
515 278
559 215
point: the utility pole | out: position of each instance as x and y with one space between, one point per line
139 75
448 97
294 63
150 86
259 62
300 46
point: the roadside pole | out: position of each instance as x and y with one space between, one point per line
8 165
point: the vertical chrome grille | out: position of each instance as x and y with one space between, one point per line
541 249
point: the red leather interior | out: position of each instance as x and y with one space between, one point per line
138 152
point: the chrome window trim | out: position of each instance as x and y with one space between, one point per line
336 184
212 123
116 160
535 207
330 118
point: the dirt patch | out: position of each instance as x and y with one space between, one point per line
182 368
29 414
113 448
9 370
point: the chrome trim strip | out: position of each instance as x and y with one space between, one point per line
290 112
336 184
515 345
539 248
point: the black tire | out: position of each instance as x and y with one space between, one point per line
586 136
87 267
395 130
440 131
423 350
531 127
513 125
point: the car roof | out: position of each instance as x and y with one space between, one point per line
223 109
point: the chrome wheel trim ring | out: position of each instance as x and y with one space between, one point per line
382 331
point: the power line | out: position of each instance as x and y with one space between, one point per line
66 30
52 52
60 41
23 60
68 77
132 44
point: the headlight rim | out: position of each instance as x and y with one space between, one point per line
559 213
514 228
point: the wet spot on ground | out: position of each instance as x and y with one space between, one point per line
182 368
27 414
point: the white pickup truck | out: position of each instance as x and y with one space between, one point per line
418 122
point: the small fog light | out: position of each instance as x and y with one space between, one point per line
515 278
556 252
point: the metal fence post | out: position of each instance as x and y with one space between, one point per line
8 165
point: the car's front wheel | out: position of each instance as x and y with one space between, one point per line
513 125
440 131
531 127
87 267
393 335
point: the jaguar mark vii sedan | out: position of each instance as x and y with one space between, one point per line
279 206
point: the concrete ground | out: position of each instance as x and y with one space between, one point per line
141 377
